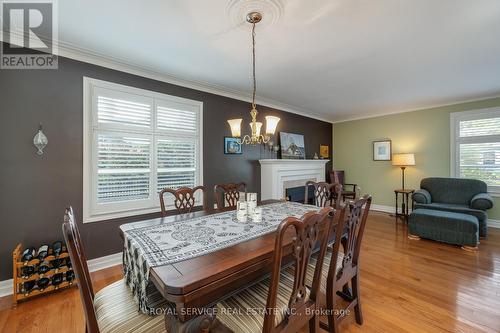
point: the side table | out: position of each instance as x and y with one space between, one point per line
405 203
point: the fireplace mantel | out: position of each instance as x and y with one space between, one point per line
275 174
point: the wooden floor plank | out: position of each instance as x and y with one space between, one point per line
406 286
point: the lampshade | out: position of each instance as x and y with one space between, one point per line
235 125
403 159
271 123
258 126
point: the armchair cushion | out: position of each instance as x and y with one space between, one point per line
422 196
482 201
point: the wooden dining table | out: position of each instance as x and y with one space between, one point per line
197 284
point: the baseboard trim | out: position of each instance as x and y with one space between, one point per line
494 223
6 287
382 208
104 262
94 265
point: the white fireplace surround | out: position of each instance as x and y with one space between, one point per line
278 175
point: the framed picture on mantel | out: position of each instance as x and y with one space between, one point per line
382 150
292 146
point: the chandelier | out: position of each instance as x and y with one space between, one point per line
255 126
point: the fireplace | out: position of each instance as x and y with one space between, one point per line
279 175
297 194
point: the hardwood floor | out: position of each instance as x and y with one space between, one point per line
406 286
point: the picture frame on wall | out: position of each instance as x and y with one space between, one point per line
382 150
292 146
231 146
324 151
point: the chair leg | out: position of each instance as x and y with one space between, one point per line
314 325
333 321
357 307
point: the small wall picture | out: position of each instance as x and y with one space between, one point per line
292 146
382 150
231 146
324 151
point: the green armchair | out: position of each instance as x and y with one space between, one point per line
457 195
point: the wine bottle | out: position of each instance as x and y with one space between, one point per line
70 276
27 286
56 264
43 252
57 279
27 271
43 268
43 283
28 254
68 262
57 248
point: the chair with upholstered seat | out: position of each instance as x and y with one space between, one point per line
184 199
290 304
113 308
227 195
342 268
324 194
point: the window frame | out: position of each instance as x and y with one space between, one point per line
94 212
455 140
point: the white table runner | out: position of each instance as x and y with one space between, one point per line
173 241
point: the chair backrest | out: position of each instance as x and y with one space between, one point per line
351 229
79 261
453 190
322 193
227 195
184 199
336 194
337 176
309 232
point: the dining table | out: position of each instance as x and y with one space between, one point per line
195 285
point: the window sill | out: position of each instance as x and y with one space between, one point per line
119 215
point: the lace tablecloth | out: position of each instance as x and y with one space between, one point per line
173 241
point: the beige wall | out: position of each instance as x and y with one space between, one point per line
425 133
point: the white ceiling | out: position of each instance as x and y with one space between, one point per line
331 59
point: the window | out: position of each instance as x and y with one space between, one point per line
475 146
136 142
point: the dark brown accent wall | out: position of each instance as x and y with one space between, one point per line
35 190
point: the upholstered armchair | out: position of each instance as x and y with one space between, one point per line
458 195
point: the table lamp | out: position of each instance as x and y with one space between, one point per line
403 160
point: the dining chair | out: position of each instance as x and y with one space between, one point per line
289 304
338 176
184 199
322 194
227 195
341 268
336 195
112 309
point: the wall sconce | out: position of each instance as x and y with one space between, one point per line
40 140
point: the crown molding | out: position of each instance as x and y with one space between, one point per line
427 107
71 51
84 55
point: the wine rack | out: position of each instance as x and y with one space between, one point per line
19 294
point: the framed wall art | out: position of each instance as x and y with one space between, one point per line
231 146
382 150
292 146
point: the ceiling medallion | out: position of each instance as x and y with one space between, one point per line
237 11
